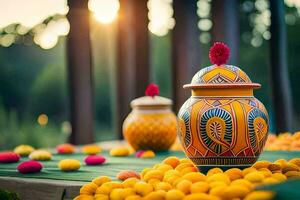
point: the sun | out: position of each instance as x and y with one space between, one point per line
105 11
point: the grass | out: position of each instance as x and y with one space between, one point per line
14 132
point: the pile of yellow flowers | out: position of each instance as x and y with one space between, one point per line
283 142
176 179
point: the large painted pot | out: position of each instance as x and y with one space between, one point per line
151 124
222 124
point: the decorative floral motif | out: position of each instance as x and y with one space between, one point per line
185 127
258 128
216 130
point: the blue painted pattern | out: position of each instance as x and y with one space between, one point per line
216 129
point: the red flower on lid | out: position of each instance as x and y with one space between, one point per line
152 90
219 53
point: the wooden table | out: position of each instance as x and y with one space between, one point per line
53 184
41 189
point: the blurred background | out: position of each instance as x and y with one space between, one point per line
34 84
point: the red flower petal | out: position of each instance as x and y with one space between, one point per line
152 90
30 166
219 53
9 157
139 153
94 160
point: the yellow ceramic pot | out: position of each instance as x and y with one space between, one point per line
151 124
222 124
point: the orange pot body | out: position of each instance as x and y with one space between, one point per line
150 129
223 127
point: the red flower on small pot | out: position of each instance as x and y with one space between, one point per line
152 90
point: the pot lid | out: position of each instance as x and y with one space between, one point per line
151 98
151 101
221 75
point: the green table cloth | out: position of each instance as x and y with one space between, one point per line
112 166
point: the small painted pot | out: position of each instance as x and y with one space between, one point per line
151 125
222 124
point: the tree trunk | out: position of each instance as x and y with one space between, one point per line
226 26
185 48
80 73
133 68
282 97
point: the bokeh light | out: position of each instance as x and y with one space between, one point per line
204 7
260 20
42 119
46 40
19 18
46 36
256 41
22 30
290 19
7 40
60 27
267 35
248 6
205 37
292 3
160 16
29 13
66 128
205 23
105 11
